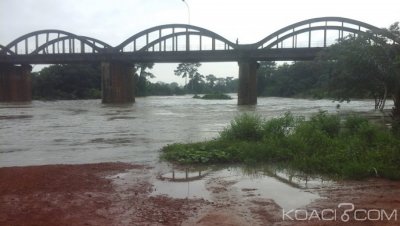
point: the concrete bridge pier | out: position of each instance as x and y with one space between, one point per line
117 82
247 92
15 83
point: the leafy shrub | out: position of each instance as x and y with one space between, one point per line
246 127
216 96
353 123
352 148
330 124
203 152
280 127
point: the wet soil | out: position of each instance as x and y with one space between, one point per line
103 194
380 198
84 195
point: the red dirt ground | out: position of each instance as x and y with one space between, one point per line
94 194
372 194
81 195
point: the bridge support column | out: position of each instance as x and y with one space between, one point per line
15 83
247 92
117 82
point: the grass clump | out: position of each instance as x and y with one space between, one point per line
325 144
247 127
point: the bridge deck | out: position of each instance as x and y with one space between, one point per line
287 54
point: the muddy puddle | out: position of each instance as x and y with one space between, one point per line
289 190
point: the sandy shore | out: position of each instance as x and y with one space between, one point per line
94 194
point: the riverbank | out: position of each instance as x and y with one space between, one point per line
326 144
99 194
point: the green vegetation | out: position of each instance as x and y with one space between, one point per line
67 82
83 81
211 84
300 79
216 96
363 66
324 144
213 96
190 70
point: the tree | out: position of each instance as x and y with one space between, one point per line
231 84
64 81
394 29
302 78
188 70
264 72
142 67
142 76
197 83
363 66
211 79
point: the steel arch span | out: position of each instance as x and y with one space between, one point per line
5 50
186 43
53 42
175 37
340 25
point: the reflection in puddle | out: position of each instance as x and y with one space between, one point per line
285 187
184 176
183 184
284 194
291 177
191 189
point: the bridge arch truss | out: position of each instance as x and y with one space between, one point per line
45 42
186 43
175 37
319 32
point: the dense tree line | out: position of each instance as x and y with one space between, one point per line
365 66
67 82
199 83
300 79
83 81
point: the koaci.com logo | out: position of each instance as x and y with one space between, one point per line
344 212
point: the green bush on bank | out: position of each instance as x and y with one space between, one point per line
324 144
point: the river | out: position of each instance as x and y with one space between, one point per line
87 131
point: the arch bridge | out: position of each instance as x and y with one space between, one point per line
169 43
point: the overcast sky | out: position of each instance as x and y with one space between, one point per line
113 21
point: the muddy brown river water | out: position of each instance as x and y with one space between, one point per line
86 131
